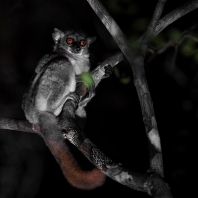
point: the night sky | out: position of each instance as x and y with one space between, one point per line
114 122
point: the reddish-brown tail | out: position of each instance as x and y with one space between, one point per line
77 177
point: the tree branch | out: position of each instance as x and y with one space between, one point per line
137 65
152 25
99 72
116 171
156 162
17 125
161 49
175 15
113 28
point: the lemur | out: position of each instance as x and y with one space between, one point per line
55 83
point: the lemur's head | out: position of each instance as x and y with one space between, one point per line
72 41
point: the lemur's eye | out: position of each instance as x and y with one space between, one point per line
69 41
83 42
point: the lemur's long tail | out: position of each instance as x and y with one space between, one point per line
75 175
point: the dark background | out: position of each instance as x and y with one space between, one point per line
114 124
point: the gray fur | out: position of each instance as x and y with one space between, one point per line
55 78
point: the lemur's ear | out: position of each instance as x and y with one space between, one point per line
57 35
91 40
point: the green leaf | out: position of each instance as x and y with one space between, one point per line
125 80
188 47
158 40
87 79
174 34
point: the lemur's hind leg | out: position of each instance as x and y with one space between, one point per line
67 117
49 125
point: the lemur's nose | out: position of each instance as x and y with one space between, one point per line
77 47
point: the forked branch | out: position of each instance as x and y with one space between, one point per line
136 61
175 15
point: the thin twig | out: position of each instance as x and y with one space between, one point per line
163 47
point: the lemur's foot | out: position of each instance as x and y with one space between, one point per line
108 71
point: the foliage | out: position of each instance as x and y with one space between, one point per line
87 79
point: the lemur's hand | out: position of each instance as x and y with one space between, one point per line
108 71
